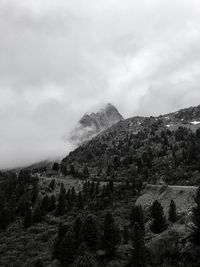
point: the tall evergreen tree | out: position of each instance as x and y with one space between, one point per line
52 185
195 235
61 205
28 219
80 203
37 214
58 241
45 204
85 258
90 232
55 166
4 217
137 216
110 235
52 203
172 212
125 234
159 221
67 249
77 230
138 257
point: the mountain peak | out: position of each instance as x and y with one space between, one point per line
93 123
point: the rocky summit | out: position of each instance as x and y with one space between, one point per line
92 124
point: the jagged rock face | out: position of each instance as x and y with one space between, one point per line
92 124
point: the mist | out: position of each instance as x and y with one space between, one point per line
60 59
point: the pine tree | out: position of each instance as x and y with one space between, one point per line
80 201
61 206
85 258
85 172
55 167
195 235
73 195
159 221
52 185
4 217
37 215
125 234
45 204
52 203
90 232
67 249
28 220
137 216
57 242
77 230
35 192
172 212
138 257
110 235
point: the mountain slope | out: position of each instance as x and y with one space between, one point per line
154 149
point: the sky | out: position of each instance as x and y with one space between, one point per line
60 58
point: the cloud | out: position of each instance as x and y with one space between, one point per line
61 58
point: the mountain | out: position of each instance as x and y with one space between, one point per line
153 149
92 124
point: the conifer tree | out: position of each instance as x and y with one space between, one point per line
137 216
52 185
172 212
28 220
52 203
37 214
85 258
138 257
80 201
125 234
4 217
45 204
73 195
159 221
55 166
195 235
57 242
90 232
61 205
67 249
35 192
77 230
110 235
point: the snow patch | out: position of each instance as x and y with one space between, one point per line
195 122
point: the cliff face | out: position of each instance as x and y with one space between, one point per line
92 124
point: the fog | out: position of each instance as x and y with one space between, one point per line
59 59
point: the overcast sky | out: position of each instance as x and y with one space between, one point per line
61 58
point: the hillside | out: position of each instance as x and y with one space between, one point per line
154 149
109 200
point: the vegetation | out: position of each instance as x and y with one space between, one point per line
46 221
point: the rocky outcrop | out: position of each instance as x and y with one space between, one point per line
92 124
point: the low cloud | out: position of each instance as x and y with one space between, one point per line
62 58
